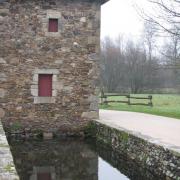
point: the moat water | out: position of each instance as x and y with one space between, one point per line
72 159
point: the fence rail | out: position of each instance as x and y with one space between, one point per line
104 99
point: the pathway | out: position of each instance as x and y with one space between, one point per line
156 129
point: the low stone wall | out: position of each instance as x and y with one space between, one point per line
161 162
7 168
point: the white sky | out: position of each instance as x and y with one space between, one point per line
119 16
107 172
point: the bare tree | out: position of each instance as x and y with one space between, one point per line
171 54
131 67
125 67
135 65
111 64
166 15
150 33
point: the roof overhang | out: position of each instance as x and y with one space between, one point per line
103 1
95 1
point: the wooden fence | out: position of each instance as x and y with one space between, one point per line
104 99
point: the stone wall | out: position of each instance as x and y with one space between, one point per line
161 162
70 55
7 167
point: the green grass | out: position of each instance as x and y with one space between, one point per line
163 105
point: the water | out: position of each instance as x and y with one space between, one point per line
72 159
106 171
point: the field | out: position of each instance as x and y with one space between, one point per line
163 105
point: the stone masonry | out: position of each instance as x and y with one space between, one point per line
70 55
158 160
7 167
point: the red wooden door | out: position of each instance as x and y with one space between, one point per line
53 25
44 176
45 84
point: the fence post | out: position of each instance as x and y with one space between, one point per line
128 96
105 100
150 98
102 96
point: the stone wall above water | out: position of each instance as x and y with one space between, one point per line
159 161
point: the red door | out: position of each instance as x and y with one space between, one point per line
44 176
45 84
53 25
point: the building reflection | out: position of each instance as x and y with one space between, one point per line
54 160
74 159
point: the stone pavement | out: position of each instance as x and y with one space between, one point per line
7 168
163 131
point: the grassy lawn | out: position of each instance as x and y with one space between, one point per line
163 105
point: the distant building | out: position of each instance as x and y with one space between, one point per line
49 52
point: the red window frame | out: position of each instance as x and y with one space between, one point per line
53 25
45 85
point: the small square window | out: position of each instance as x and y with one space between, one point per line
53 25
45 85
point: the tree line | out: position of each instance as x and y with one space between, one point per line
145 66
128 66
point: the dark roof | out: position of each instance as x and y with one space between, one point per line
98 1
103 1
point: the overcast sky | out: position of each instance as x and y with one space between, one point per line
119 16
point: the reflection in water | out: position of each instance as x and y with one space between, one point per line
54 160
68 159
106 171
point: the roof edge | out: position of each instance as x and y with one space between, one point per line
103 1
96 1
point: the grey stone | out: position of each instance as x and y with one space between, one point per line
54 93
4 12
2 61
2 19
34 92
43 100
92 40
93 57
83 19
34 86
46 71
92 98
68 88
58 85
94 106
14 61
19 108
65 49
47 135
59 61
2 113
90 115
2 93
35 77
3 77
7 167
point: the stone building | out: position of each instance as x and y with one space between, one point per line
49 52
